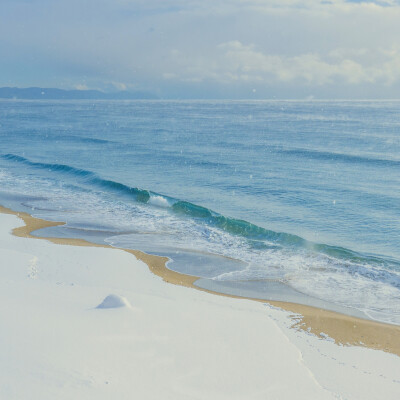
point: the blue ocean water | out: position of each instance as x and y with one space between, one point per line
301 194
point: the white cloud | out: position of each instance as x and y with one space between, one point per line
81 86
119 86
239 62
161 45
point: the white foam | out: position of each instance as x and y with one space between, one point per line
348 284
159 201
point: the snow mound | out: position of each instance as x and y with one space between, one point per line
114 301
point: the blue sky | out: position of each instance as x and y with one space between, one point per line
203 48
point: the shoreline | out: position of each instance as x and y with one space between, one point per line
344 329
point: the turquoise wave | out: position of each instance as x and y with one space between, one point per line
88 177
245 229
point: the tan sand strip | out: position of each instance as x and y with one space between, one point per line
342 328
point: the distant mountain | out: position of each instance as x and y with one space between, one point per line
34 93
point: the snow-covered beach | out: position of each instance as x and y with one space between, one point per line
163 341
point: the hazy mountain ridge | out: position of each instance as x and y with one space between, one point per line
34 93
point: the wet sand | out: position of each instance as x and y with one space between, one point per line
344 329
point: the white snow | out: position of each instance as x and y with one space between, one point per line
174 343
114 301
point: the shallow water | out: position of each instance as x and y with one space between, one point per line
303 193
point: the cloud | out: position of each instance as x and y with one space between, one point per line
80 86
174 47
119 86
238 62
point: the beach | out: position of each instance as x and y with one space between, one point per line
200 201
257 266
168 340
343 329
272 214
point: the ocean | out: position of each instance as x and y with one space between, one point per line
285 200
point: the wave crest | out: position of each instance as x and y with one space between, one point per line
251 232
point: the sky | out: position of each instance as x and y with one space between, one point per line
233 49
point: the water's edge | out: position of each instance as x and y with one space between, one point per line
342 328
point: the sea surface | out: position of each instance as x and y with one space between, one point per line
272 199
